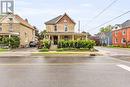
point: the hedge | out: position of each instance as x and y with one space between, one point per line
76 44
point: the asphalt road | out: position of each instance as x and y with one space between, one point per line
38 71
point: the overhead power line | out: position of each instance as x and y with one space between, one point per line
111 20
103 10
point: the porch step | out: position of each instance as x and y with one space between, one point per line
53 48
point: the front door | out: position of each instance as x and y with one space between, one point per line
55 40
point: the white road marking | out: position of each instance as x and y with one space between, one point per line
124 67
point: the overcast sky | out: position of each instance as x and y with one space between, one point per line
40 11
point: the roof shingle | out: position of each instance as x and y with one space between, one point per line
54 20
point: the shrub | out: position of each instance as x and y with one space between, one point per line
14 41
46 44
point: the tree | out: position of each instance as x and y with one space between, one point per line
36 31
106 29
42 34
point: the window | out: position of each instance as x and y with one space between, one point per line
123 40
55 29
25 35
123 32
10 27
11 19
116 27
65 27
116 32
0 29
116 40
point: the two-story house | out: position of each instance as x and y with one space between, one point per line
11 24
62 28
121 34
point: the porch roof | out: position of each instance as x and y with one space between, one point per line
10 33
66 33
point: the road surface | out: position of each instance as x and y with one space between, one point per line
38 71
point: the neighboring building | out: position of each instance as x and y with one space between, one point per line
121 34
96 39
105 38
62 28
11 24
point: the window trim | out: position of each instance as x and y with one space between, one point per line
55 28
122 40
116 40
123 32
116 33
66 28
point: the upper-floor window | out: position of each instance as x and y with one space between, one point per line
116 32
10 19
123 32
10 27
0 27
55 28
25 35
65 27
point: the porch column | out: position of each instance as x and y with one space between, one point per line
72 37
86 37
58 37
49 37
52 41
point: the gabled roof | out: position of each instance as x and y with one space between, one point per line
126 24
1 16
22 21
57 19
19 19
54 20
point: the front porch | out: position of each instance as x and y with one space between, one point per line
55 37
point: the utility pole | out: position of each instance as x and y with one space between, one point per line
79 27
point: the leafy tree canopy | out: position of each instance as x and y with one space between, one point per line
106 29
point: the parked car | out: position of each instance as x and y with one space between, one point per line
32 44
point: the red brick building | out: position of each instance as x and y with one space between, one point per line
121 34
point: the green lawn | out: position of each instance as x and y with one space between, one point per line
69 50
3 50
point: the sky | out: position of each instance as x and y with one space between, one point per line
40 11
